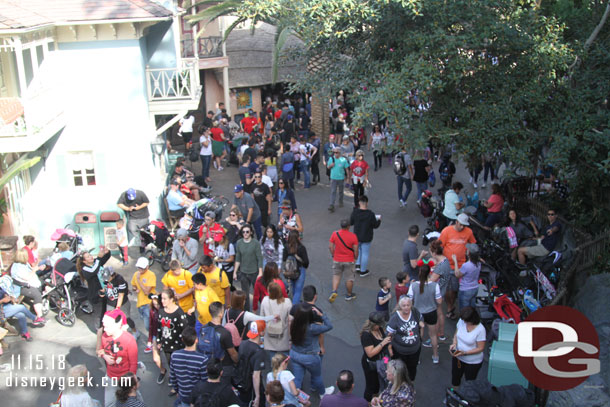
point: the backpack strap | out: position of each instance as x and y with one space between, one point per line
241 334
339 236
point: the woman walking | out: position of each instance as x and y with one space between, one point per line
272 246
407 327
376 346
271 274
427 298
205 154
377 142
421 173
400 392
282 193
305 350
444 277
359 169
295 248
172 321
276 332
279 371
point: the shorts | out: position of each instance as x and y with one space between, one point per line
348 268
430 318
187 137
536 251
453 284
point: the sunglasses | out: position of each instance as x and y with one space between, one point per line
551 214
246 231
233 214
257 176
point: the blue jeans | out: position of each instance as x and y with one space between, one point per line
206 160
467 298
20 312
144 312
258 227
297 286
313 364
363 255
336 184
400 180
304 165
421 187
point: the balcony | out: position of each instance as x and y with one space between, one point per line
171 90
29 121
209 51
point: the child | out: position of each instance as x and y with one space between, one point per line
121 237
155 305
204 296
383 297
401 288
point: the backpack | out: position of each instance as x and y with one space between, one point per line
291 268
242 379
507 310
209 342
275 329
193 155
443 171
232 328
399 165
210 399
425 207
287 167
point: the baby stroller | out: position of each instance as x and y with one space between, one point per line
195 214
156 241
63 292
70 237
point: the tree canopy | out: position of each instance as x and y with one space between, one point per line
526 78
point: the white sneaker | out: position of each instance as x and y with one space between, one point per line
483 185
474 184
220 168
329 390
435 360
402 203
470 180
215 164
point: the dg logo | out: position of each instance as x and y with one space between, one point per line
556 348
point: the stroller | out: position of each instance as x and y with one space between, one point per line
195 214
70 237
63 292
156 242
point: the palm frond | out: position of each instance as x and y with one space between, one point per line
231 27
280 39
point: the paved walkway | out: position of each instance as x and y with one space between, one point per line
343 348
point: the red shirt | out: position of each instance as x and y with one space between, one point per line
277 114
217 134
497 202
359 168
342 253
400 291
260 291
125 353
249 123
32 258
216 228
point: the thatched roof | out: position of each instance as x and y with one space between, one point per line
251 57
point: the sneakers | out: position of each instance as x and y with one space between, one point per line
357 268
435 360
27 337
470 180
402 203
483 185
331 208
333 297
350 297
125 263
221 168
364 273
329 390
148 349
427 343
215 164
474 184
39 322
161 377
442 338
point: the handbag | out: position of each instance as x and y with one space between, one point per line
431 179
339 236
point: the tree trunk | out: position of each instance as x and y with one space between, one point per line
319 117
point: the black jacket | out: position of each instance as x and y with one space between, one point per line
364 221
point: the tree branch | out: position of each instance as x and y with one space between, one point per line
599 27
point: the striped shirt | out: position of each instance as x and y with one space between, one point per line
187 368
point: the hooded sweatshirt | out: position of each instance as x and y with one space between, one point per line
364 222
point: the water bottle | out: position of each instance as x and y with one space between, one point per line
530 302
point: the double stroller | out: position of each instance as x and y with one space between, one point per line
156 243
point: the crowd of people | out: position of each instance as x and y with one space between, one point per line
213 341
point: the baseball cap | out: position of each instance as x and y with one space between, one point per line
115 313
377 318
131 194
175 182
463 219
331 136
142 263
218 236
473 248
181 233
256 328
238 188
210 214
286 204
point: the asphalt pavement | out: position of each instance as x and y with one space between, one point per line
56 346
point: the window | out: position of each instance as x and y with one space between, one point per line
83 169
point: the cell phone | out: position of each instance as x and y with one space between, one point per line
287 359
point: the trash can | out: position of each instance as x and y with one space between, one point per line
89 230
107 228
172 158
502 369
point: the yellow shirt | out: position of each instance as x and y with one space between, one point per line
180 283
148 279
217 280
204 298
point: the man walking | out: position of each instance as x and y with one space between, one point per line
249 208
364 221
135 204
338 167
187 368
409 254
144 283
262 196
403 167
343 247
248 261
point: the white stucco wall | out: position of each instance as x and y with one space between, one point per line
107 113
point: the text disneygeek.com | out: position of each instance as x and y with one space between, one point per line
60 383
